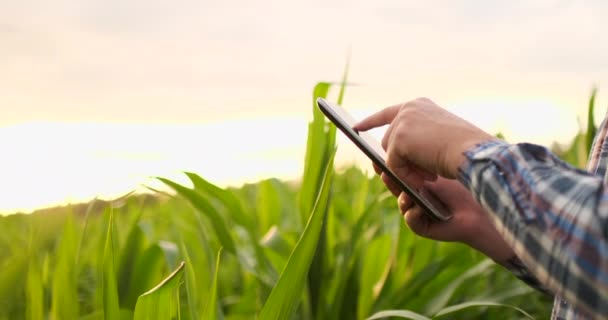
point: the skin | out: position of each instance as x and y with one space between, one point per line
425 145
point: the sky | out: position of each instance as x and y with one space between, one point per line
98 96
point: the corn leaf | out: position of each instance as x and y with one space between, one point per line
204 207
148 265
109 287
398 313
442 298
591 129
285 296
35 292
162 301
316 147
227 198
471 304
64 276
212 311
375 260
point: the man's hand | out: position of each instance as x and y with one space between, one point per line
470 223
424 138
425 141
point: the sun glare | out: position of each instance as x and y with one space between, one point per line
60 163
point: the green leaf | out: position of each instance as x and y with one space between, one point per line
344 79
35 292
285 296
211 311
190 283
227 198
132 249
110 291
591 129
64 276
203 205
373 272
162 301
442 298
322 255
351 253
398 313
316 147
268 205
148 266
125 314
462 306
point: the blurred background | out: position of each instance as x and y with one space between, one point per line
96 97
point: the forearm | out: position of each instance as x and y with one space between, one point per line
552 215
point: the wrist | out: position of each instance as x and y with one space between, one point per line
458 154
491 244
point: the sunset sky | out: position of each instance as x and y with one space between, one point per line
98 96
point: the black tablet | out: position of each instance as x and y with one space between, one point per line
373 149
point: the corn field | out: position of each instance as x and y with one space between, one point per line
332 246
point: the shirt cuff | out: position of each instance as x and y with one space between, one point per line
484 150
517 268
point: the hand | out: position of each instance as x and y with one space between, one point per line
470 223
424 139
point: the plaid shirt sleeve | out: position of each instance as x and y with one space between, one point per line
554 216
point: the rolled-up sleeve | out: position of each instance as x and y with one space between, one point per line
554 216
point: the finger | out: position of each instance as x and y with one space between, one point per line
405 203
411 177
387 137
378 119
418 221
376 168
404 170
391 185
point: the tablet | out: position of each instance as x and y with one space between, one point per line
373 149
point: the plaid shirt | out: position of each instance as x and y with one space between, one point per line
554 216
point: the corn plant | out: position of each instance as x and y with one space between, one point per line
332 246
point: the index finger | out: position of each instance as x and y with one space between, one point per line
378 119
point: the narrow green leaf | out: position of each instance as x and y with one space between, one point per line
264 268
351 254
111 309
398 313
227 198
34 292
331 133
373 271
87 214
344 79
591 129
462 306
268 205
316 147
148 266
64 291
133 247
285 296
322 254
442 298
211 311
125 314
190 283
162 301
202 205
